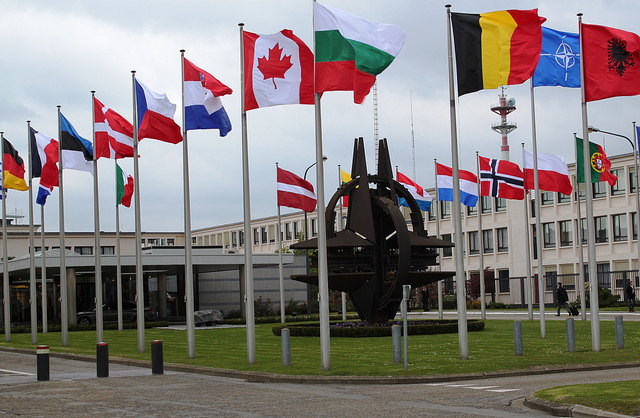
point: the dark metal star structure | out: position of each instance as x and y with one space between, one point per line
376 253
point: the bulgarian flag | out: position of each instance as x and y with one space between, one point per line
600 164
352 51
124 187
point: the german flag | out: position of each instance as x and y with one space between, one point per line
13 168
496 48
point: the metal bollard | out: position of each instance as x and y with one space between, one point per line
619 333
395 341
102 359
42 363
157 360
285 335
571 336
517 338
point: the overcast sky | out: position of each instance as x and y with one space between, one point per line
55 53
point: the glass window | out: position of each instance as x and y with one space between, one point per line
600 189
632 180
445 210
634 224
256 236
551 279
487 241
546 198
501 204
601 228
234 239
618 188
473 242
566 235
272 233
447 251
314 227
583 230
620 227
263 234
107 250
563 198
549 235
287 231
486 204
503 239
504 286
472 210
83 250
296 230
170 241
432 213
241 234
604 278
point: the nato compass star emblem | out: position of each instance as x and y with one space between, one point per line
564 57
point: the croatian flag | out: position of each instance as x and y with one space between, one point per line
468 185
155 116
202 104
419 194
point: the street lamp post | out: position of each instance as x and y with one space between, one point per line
635 158
306 237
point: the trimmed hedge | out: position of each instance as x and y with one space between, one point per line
288 318
26 329
432 327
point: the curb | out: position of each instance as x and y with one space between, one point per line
568 410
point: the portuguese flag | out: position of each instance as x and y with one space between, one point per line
600 164
496 48
13 168
352 51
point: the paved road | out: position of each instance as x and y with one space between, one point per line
133 391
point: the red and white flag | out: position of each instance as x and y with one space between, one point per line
114 134
295 192
553 173
278 70
500 178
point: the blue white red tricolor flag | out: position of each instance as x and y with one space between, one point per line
419 194
468 185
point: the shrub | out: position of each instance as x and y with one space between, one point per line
449 302
25 329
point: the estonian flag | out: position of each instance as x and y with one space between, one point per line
77 152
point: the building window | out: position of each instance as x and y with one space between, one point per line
551 280
314 227
272 233
287 231
234 239
632 180
501 204
566 236
296 230
241 236
472 210
583 230
193 240
563 198
83 250
445 210
256 236
618 188
432 213
37 249
473 242
142 242
487 241
263 234
486 204
447 251
601 229
620 228
107 250
549 235
599 190
634 224
546 198
171 241
503 239
604 278
504 285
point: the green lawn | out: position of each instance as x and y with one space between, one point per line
619 397
489 350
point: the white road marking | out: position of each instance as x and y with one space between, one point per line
483 387
16 372
502 390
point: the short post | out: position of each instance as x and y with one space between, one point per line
102 359
42 363
157 359
406 293
395 340
517 338
285 336
619 333
571 336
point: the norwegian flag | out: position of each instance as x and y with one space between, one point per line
499 178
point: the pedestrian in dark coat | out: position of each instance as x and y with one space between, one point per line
631 295
562 298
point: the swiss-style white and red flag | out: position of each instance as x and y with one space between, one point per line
278 70
114 134
500 178
295 192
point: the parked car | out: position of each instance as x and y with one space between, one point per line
110 313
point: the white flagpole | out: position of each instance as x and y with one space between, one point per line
280 272
139 273
118 261
248 248
43 278
64 302
483 303
539 232
323 268
339 228
33 302
455 167
635 157
583 298
96 233
591 235
188 261
440 253
525 202
6 291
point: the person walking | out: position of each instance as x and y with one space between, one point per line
562 298
424 293
631 295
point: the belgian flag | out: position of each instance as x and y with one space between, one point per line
13 168
496 48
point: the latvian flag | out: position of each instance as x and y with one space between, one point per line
295 192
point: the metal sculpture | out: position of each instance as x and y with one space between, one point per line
376 253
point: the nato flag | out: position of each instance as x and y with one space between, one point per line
559 63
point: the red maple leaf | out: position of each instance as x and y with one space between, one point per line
274 67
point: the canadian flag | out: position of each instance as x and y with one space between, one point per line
295 192
278 70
